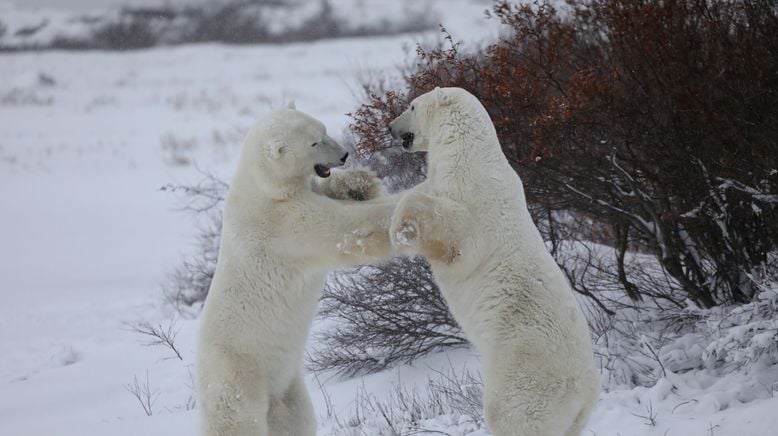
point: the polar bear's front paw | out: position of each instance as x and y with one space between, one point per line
355 184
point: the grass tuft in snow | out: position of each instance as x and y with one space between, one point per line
143 392
449 403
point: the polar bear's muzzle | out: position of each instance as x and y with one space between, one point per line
398 132
328 154
323 170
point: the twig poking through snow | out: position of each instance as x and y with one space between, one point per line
650 415
143 393
158 335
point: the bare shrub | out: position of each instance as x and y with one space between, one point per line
188 284
382 315
191 400
157 335
143 392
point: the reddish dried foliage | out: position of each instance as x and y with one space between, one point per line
658 118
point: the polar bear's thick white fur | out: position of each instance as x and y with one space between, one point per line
470 220
280 237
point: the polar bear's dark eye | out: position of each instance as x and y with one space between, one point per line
413 107
314 144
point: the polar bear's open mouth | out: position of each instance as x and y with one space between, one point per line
322 171
407 140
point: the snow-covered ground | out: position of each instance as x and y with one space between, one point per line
86 141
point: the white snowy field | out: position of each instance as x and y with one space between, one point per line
86 238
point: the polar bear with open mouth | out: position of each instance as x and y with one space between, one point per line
470 220
281 234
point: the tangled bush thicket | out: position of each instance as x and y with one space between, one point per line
654 120
640 345
380 316
746 334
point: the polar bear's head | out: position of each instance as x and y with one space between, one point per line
291 145
426 113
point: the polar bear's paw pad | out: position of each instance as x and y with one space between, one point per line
353 244
407 233
358 195
356 184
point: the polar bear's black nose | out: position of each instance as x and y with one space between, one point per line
343 159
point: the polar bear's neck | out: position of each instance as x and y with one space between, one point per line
462 143
267 182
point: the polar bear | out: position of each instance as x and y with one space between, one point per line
280 236
470 220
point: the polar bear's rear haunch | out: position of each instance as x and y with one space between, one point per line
279 239
470 220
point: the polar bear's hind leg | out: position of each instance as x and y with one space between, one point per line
229 415
525 398
292 414
590 398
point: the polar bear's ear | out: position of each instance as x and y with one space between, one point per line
441 97
277 148
291 105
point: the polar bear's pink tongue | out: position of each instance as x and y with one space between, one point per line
321 170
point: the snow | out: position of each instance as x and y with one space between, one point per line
86 141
